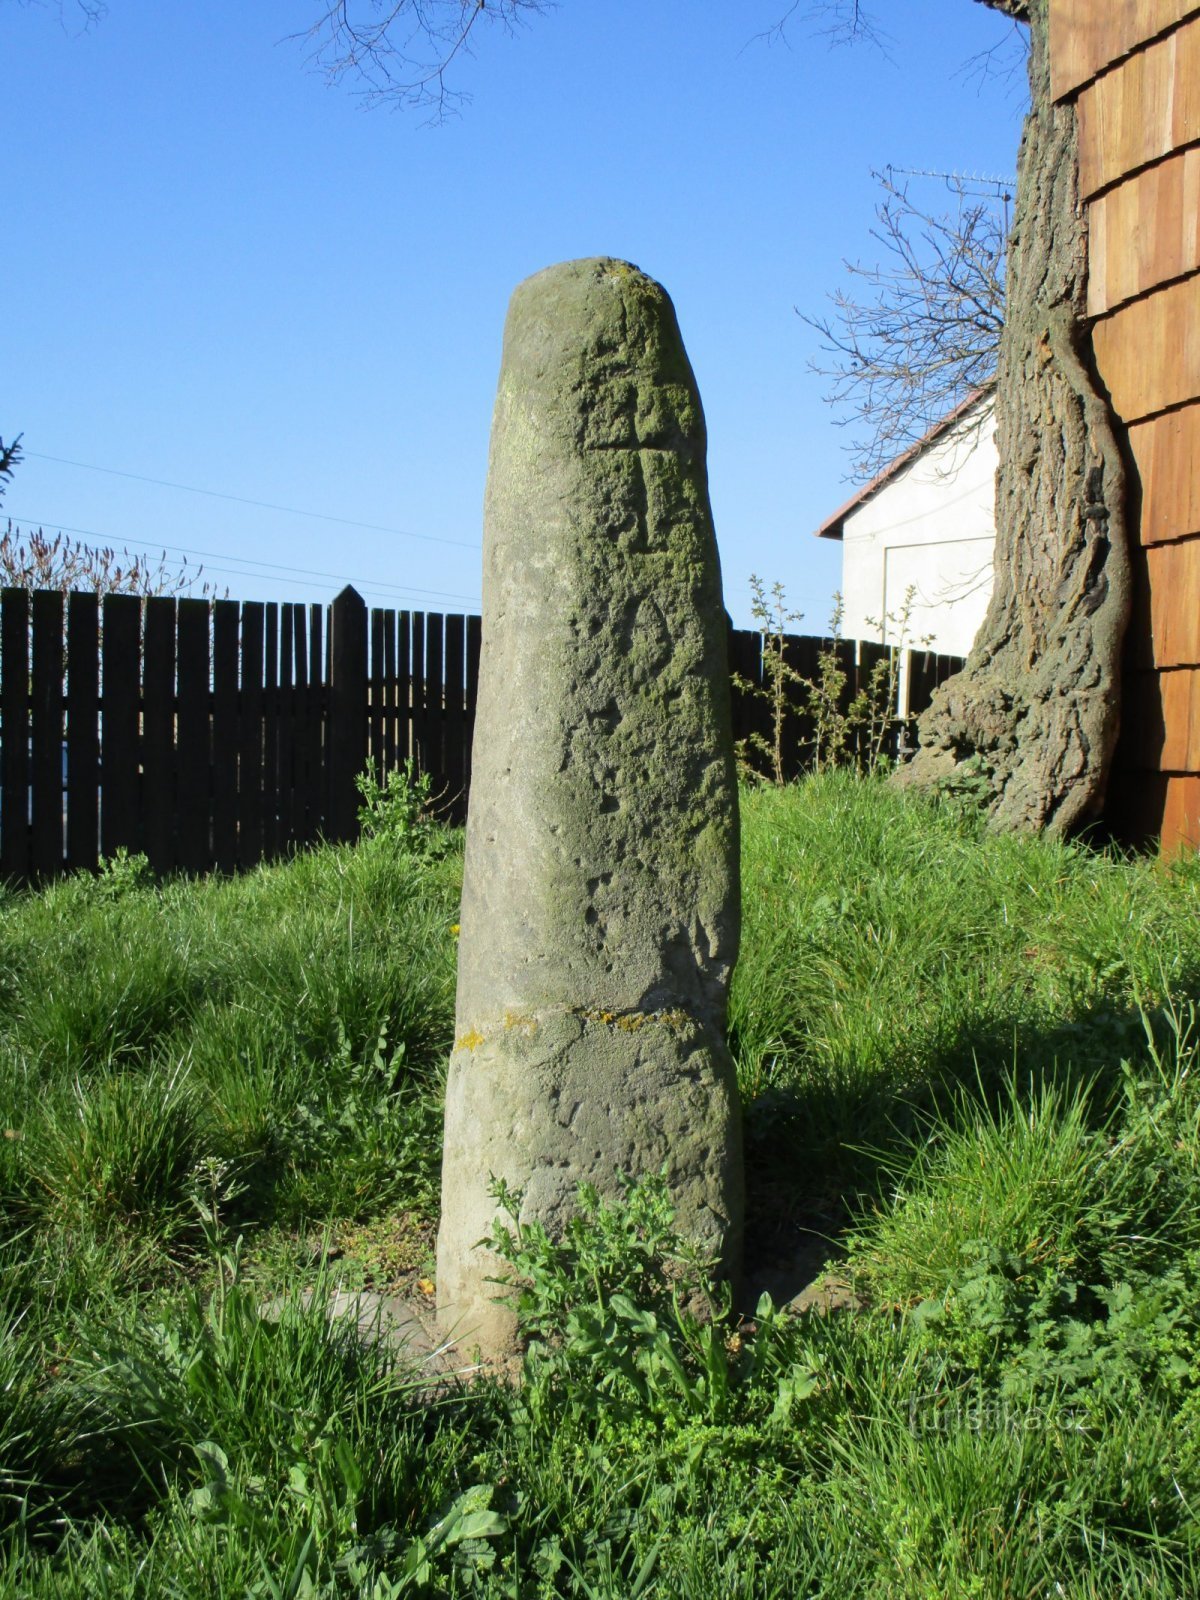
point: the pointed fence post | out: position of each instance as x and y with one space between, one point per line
346 729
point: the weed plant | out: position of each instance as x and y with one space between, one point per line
972 1061
843 729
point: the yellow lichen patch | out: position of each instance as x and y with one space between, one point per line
471 1040
593 1014
520 1019
634 1021
677 1021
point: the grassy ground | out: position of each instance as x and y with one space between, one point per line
970 1063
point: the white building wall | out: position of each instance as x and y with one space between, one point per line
929 529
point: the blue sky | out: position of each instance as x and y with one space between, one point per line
220 272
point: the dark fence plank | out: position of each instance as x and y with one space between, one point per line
801 654
873 657
418 716
435 696
120 819
285 742
748 712
14 743
927 671
83 730
193 731
418 694
377 693
318 679
404 688
878 737
274 843
161 833
46 735
301 830
435 692
474 640
250 735
346 733
845 654
454 763
225 735
387 754
922 680
304 825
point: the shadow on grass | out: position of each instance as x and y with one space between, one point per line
821 1152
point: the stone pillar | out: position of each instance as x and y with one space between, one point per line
600 912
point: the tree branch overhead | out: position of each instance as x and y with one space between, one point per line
400 51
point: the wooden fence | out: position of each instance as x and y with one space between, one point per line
213 736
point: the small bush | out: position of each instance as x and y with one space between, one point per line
400 812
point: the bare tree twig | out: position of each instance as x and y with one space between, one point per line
917 333
1006 60
400 51
843 22
91 11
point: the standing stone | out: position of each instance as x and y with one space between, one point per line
600 911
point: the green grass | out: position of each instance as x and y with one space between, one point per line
971 1062
892 954
288 1025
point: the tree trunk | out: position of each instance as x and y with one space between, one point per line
1031 720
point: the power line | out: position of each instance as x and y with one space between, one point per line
380 586
243 500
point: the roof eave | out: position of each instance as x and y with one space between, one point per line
834 527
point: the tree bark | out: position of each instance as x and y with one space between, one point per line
1017 9
1031 721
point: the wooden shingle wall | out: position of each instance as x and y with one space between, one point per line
1132 68
1089 36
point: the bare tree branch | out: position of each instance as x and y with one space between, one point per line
918 333
89 12
1006 60
842 22
400 51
